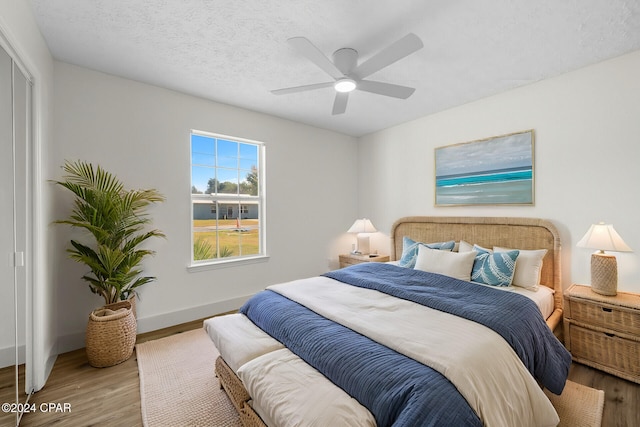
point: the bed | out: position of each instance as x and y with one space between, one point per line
352 347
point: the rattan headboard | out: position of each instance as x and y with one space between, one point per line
520 233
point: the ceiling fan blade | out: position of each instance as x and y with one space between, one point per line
340 103
308 49
302 88
387 89
398 50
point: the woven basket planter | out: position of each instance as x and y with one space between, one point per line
132 299
111 335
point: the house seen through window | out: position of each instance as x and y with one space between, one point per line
227 198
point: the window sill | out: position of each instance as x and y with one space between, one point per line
194 268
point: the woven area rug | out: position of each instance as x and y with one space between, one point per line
179 388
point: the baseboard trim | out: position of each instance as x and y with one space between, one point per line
8 356
166 320
153 323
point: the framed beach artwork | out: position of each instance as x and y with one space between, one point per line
492 171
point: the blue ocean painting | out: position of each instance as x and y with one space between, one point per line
493 171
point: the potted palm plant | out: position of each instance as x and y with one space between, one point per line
114 220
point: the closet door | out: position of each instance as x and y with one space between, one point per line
8 387
15 137
21 137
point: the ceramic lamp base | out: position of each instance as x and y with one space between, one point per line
363 244
604 274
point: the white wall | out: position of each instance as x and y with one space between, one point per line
587 149
141 133
19 28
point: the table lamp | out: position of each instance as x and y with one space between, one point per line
604 268
362 227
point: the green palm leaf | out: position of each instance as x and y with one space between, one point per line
115 219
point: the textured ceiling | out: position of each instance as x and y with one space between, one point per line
235 52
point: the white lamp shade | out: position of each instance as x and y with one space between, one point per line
362 226
603 237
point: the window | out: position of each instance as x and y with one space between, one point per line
227 198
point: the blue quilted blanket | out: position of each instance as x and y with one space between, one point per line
515 317
397 390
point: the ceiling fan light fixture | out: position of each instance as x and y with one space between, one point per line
348 76
344 85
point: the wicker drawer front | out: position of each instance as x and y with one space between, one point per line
345 262
609 317
620 354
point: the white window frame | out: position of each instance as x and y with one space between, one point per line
262 256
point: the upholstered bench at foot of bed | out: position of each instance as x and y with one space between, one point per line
232 385
296 389
249 418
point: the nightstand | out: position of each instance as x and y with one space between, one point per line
604 331
351 259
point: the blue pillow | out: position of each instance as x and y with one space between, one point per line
494 268
410 250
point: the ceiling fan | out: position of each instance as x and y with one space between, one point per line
349 76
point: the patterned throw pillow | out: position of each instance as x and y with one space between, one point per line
528 268
494 268
410 250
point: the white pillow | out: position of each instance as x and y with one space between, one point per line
464 246
528 267
453 264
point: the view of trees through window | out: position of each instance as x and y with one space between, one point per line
248 186
226 196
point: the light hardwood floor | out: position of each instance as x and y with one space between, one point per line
111 396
